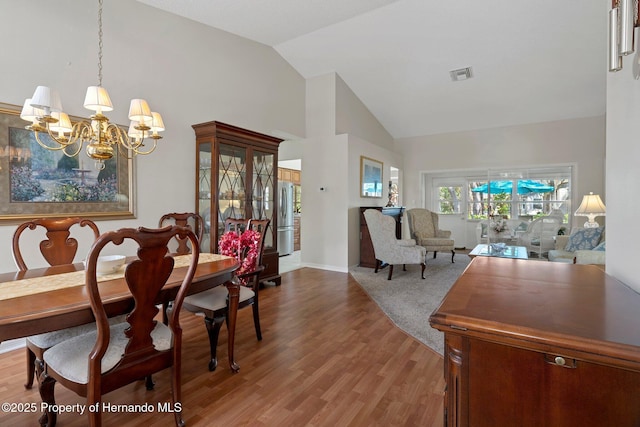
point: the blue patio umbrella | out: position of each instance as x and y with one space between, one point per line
525 186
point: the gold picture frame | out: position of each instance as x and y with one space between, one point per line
370 178
36 182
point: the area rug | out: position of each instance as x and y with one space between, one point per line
407 299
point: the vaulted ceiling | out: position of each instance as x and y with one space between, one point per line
532 61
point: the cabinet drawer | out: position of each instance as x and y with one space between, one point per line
512 386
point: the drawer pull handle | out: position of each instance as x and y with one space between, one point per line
560 361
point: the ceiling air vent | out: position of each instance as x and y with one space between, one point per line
461 74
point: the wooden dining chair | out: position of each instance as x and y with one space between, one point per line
213 303
186 219
190 220
237 225
59 248
104 360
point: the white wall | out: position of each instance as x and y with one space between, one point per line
324 225
578 141
188 72
623 173
331 226
355 119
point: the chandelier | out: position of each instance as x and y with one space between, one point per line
44 111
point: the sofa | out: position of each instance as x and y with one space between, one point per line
581 246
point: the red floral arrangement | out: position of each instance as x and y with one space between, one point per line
243 247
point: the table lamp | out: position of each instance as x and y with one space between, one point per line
591 207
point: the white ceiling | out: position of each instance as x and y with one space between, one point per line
532 61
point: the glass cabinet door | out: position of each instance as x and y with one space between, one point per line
263 190
204 193
232 174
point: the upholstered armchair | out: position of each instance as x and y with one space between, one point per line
423 225
387 247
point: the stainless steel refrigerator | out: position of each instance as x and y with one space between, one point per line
285 218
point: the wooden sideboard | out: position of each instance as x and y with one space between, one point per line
537 344
367 257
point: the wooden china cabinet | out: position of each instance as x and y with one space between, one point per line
236 177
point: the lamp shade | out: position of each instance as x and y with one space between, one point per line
134 133
591 205
139 111
29 112
46 99
97 99
63 125
157 125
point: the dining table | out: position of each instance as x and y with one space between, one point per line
47 299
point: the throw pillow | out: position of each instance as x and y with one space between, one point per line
601 247
584 239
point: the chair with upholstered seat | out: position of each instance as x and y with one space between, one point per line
186 219
59 248
195 223
213 303
387 247
423 225
96 363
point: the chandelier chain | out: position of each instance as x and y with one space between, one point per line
100 43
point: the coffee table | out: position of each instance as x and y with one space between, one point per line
516 252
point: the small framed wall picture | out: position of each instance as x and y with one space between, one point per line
370 177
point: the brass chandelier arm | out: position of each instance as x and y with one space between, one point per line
136 149
80 133
73 154
60 146
115 136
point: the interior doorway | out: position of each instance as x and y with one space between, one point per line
290 216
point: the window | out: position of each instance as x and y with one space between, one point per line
450 199
525 193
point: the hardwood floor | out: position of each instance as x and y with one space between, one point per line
329 357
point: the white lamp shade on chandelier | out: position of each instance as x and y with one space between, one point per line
591 207
30 113
97 99
63 124
139 111
46 99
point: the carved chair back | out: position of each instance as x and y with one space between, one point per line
58 248
146 278
187 219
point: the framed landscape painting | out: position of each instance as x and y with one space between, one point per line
370 177
36 182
